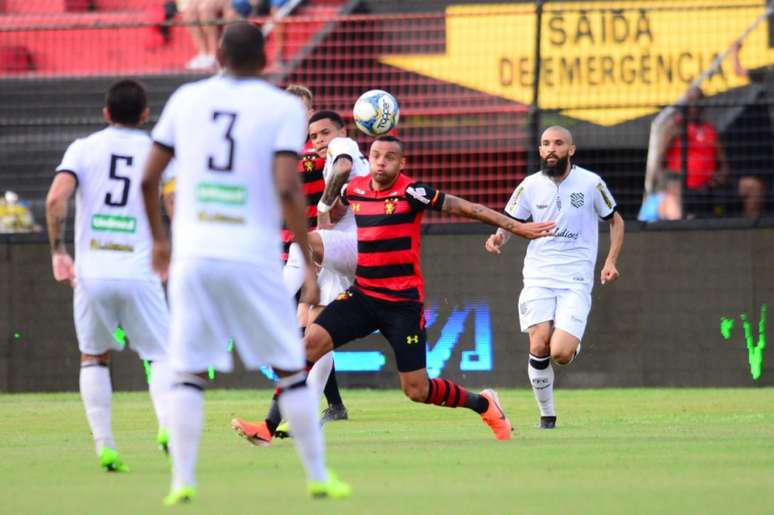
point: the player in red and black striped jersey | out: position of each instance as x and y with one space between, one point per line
388 291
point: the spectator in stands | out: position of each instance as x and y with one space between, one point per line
201 15
705 162
277 33
15 216
752 188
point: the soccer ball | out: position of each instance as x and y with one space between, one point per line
376 112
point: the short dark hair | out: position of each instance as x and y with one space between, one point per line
333 116
242 46
126 100
390 139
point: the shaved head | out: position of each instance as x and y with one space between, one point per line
554 129
241 48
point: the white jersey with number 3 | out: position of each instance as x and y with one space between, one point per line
346 147
112 238
567 258
224 132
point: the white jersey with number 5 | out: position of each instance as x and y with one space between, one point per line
337 148
567 258
112 238
224 132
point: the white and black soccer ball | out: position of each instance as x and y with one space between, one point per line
376 112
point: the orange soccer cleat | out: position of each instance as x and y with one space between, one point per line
256 434
495 418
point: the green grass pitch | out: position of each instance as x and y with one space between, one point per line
615 451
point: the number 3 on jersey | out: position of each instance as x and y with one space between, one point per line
227 119
126 182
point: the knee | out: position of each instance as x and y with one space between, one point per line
562 357
317 342
539 348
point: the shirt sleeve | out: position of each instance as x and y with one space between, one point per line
164 131
518 205
604 203
342 147
422 196
291 134
71 161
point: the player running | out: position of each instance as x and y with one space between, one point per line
559 271
112 279
334 246
236 139
388 291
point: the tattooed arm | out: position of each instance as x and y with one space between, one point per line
57 200
459 206
341 170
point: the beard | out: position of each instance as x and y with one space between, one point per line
557 169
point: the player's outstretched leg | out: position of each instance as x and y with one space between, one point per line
96 393
260 433
160 387
336 409
442 392
298 405
186 421
541 376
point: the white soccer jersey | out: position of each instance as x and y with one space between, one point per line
346 147
224 132
576 204
112 238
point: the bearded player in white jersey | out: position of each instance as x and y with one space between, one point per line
111 276
333 245
559 271
236 139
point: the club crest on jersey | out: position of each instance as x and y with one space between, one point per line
308 165
389 205
576 199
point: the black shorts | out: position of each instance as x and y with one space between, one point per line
355 315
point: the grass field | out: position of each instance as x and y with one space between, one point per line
615 451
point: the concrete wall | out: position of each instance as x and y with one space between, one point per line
658 326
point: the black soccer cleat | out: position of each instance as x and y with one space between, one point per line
334 412
547 423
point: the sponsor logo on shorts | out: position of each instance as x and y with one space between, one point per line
221 194
410 340
523 308
576 199
541 206
576 319
113 223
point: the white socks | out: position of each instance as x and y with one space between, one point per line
159 388
541 375
186 420
298 406
318 375
96 392
293 272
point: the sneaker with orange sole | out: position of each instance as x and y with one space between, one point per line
256 434
495 418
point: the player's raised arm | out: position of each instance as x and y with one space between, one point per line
57 200
341 171
459 206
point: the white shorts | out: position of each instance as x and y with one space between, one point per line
212 301
139 307
339 263
567 308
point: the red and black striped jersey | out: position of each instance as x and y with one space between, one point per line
310 166
388 236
